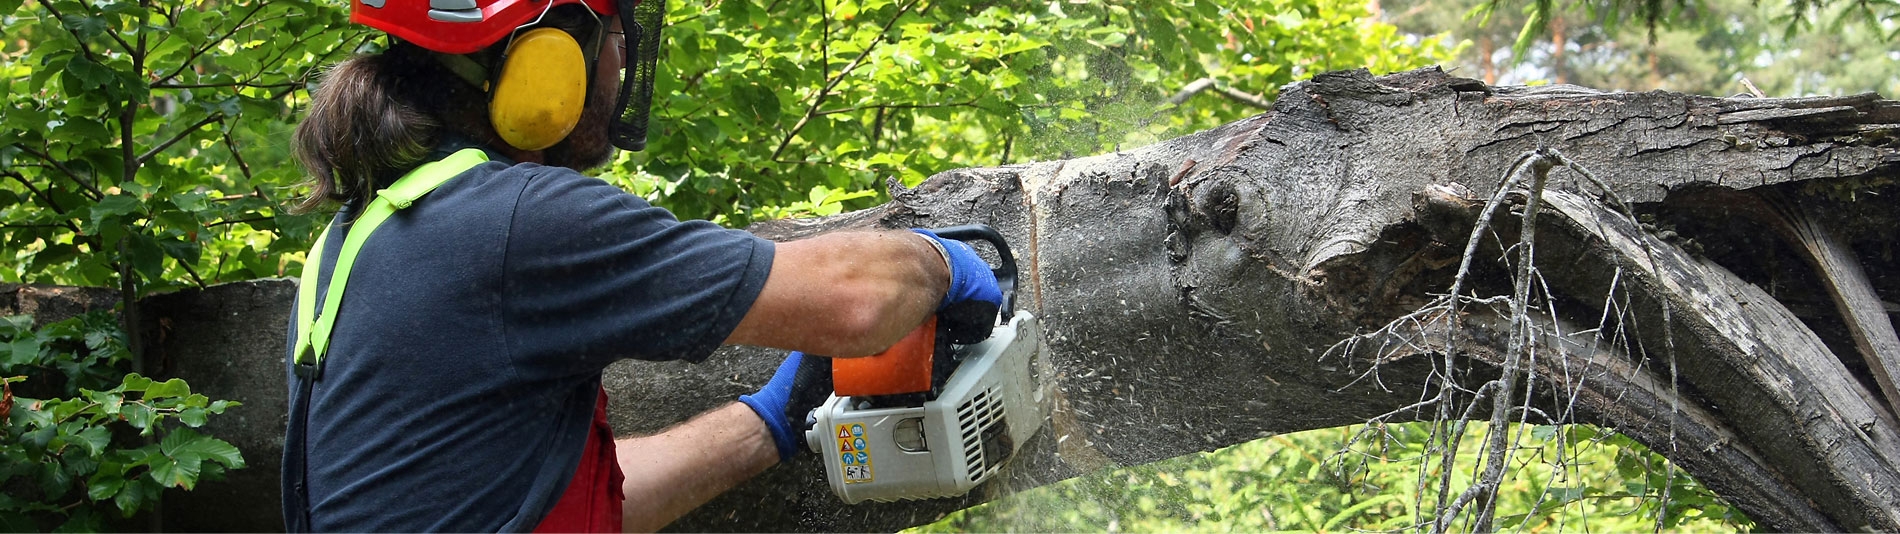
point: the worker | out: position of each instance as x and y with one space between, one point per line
455 317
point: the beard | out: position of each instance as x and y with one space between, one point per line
589 145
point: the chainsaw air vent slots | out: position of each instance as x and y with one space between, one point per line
978 418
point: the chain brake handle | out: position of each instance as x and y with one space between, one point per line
1005 272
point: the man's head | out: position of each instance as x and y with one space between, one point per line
555 81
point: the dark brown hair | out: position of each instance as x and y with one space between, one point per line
374 117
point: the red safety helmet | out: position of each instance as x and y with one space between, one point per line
459 26
468 26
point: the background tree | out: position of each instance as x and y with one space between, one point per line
126 151
1702 47
144 144
778 108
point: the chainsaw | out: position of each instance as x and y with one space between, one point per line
941 411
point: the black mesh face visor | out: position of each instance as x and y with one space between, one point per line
641 19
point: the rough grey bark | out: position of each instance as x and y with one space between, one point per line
1195 292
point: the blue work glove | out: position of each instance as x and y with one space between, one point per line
800 385
969 308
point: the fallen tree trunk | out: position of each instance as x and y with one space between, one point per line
1294 270
1194 291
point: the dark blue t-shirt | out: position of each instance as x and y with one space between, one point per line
467 352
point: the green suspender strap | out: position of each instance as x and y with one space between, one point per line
313 329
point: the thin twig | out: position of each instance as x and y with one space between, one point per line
818 98
231 145
83 49
1450 451
1205 84
171 18
61 167
1540 166
188 270
215 224
209 44
853 109
182 135
48 199
824 41
222 85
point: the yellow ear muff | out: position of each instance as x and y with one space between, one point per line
541 90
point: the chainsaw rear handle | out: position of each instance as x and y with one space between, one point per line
1005 273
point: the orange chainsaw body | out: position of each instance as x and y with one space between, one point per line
903 368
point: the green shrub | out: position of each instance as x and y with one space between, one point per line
103 445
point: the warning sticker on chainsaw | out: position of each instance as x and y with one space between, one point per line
853 455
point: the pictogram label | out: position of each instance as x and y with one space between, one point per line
854 455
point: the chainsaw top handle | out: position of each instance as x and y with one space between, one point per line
1005 273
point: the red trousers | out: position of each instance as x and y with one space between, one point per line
592 500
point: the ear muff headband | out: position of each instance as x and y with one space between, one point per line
541 90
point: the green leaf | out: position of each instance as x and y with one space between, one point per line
81 130
13 325
175 387
103 398
113 206
185 443
220 406
25 350
54 480
1544 432
86 25
176 472
186 251
93 439
759 103
131 497
192 417
138 415
135 382
147 258
105 484
91 74
96 339
190 202
40 437
184 454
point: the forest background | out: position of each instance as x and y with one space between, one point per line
144 148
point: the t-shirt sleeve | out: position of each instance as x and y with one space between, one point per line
594 274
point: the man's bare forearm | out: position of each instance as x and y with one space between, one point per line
680 468
845 294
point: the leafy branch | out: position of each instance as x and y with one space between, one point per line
180 136
886 107
83 49
209 45
61 167
66 444
44 197
818 98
